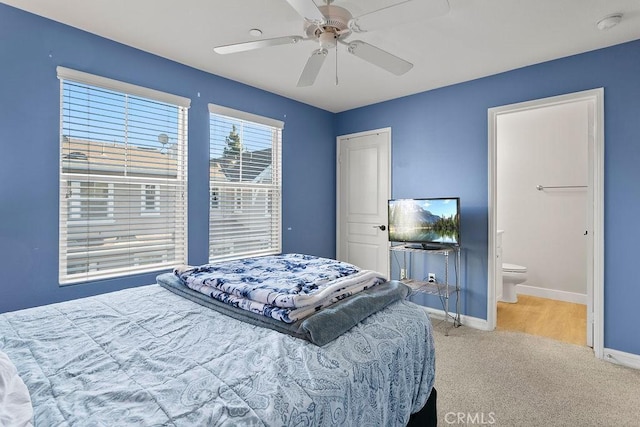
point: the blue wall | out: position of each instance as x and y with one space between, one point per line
440 149
30 49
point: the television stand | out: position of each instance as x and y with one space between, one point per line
428 247
444 289
424 246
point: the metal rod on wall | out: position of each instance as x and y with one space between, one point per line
541 187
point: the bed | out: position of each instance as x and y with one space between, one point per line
149 356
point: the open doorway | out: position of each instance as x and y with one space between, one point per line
590 105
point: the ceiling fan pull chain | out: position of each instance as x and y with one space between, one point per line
336 64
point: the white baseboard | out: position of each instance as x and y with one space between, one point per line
552 294
614 356
475 323
471 322
621 358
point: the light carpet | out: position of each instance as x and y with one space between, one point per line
504 378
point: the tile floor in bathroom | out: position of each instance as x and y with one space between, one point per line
559 320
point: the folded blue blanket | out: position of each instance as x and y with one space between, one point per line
287 287
319 328
287 280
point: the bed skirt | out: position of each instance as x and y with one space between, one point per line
427 416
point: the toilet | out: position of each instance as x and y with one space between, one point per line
512 275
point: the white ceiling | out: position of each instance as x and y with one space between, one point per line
475 38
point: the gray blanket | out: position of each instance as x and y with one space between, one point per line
320 328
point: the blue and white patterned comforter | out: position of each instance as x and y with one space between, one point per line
286 287
148 357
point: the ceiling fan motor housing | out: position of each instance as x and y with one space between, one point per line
335 26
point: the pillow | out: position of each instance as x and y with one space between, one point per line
15 402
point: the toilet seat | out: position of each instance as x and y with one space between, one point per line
513 268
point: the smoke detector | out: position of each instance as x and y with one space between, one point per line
609 21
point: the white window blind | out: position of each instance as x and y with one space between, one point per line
123 176
244 184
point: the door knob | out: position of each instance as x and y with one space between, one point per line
381 227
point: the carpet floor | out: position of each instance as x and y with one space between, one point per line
504 378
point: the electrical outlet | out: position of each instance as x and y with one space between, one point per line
403 274
431 278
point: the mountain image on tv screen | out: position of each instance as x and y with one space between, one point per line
424 220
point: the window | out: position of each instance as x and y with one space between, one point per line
90 200
245 184
215 197
150 199
123 151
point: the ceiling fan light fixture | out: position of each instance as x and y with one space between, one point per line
328 40
609 21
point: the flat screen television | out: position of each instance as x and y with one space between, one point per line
433 222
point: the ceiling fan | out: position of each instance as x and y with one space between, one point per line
330 25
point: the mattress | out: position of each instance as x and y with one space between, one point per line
146 356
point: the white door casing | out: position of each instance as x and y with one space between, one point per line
595 211
363 188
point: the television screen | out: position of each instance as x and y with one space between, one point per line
435 221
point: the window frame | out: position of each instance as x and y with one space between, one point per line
173 236
227 191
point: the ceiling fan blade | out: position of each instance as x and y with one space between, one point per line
257 44
399 13
311 70
379 57
308 10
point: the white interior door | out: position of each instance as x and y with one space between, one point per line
363 189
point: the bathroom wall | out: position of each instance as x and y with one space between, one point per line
544 230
